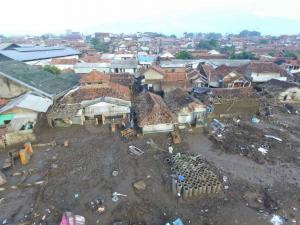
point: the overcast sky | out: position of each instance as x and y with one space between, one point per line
167 16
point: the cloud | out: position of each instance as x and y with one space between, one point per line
42 16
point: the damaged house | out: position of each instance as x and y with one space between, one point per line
224 76
195 78
29 92
228 77
158 80
97 100
229 102
20 115
153 115
260 72
188 110
286 92
17 78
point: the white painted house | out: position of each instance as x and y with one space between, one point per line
89 67
260 72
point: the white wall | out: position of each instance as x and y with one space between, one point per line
64 66
104 108
158 128
292 94
265 77
89 67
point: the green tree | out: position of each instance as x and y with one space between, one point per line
229 50
272 53
100 46
173 36
243 55
291 54
264 41
184 55
51 69
208 44
247 33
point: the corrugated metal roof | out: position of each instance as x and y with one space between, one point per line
4 46
29 101
38 48
36 53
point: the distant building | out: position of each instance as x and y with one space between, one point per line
64 64
124 66
146 60
82 68
158 80
166 56
40 55
74 36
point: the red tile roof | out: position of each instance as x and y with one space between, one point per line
64 61
233 92
97 91
222 71
155 68
175 76
94 59
94 77
169 76
265 67
151 109
68 70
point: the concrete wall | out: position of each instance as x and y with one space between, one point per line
240 107
158 128
264 77
19 137
64 66
153 75
81 68
10 89
290 95
104 108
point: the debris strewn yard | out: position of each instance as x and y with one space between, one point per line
72 177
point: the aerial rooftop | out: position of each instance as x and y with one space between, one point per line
38 80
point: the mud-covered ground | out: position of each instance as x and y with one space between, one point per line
277 134
82 172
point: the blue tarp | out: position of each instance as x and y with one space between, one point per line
146 58
176 222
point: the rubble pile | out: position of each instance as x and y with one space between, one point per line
193 178
250 141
